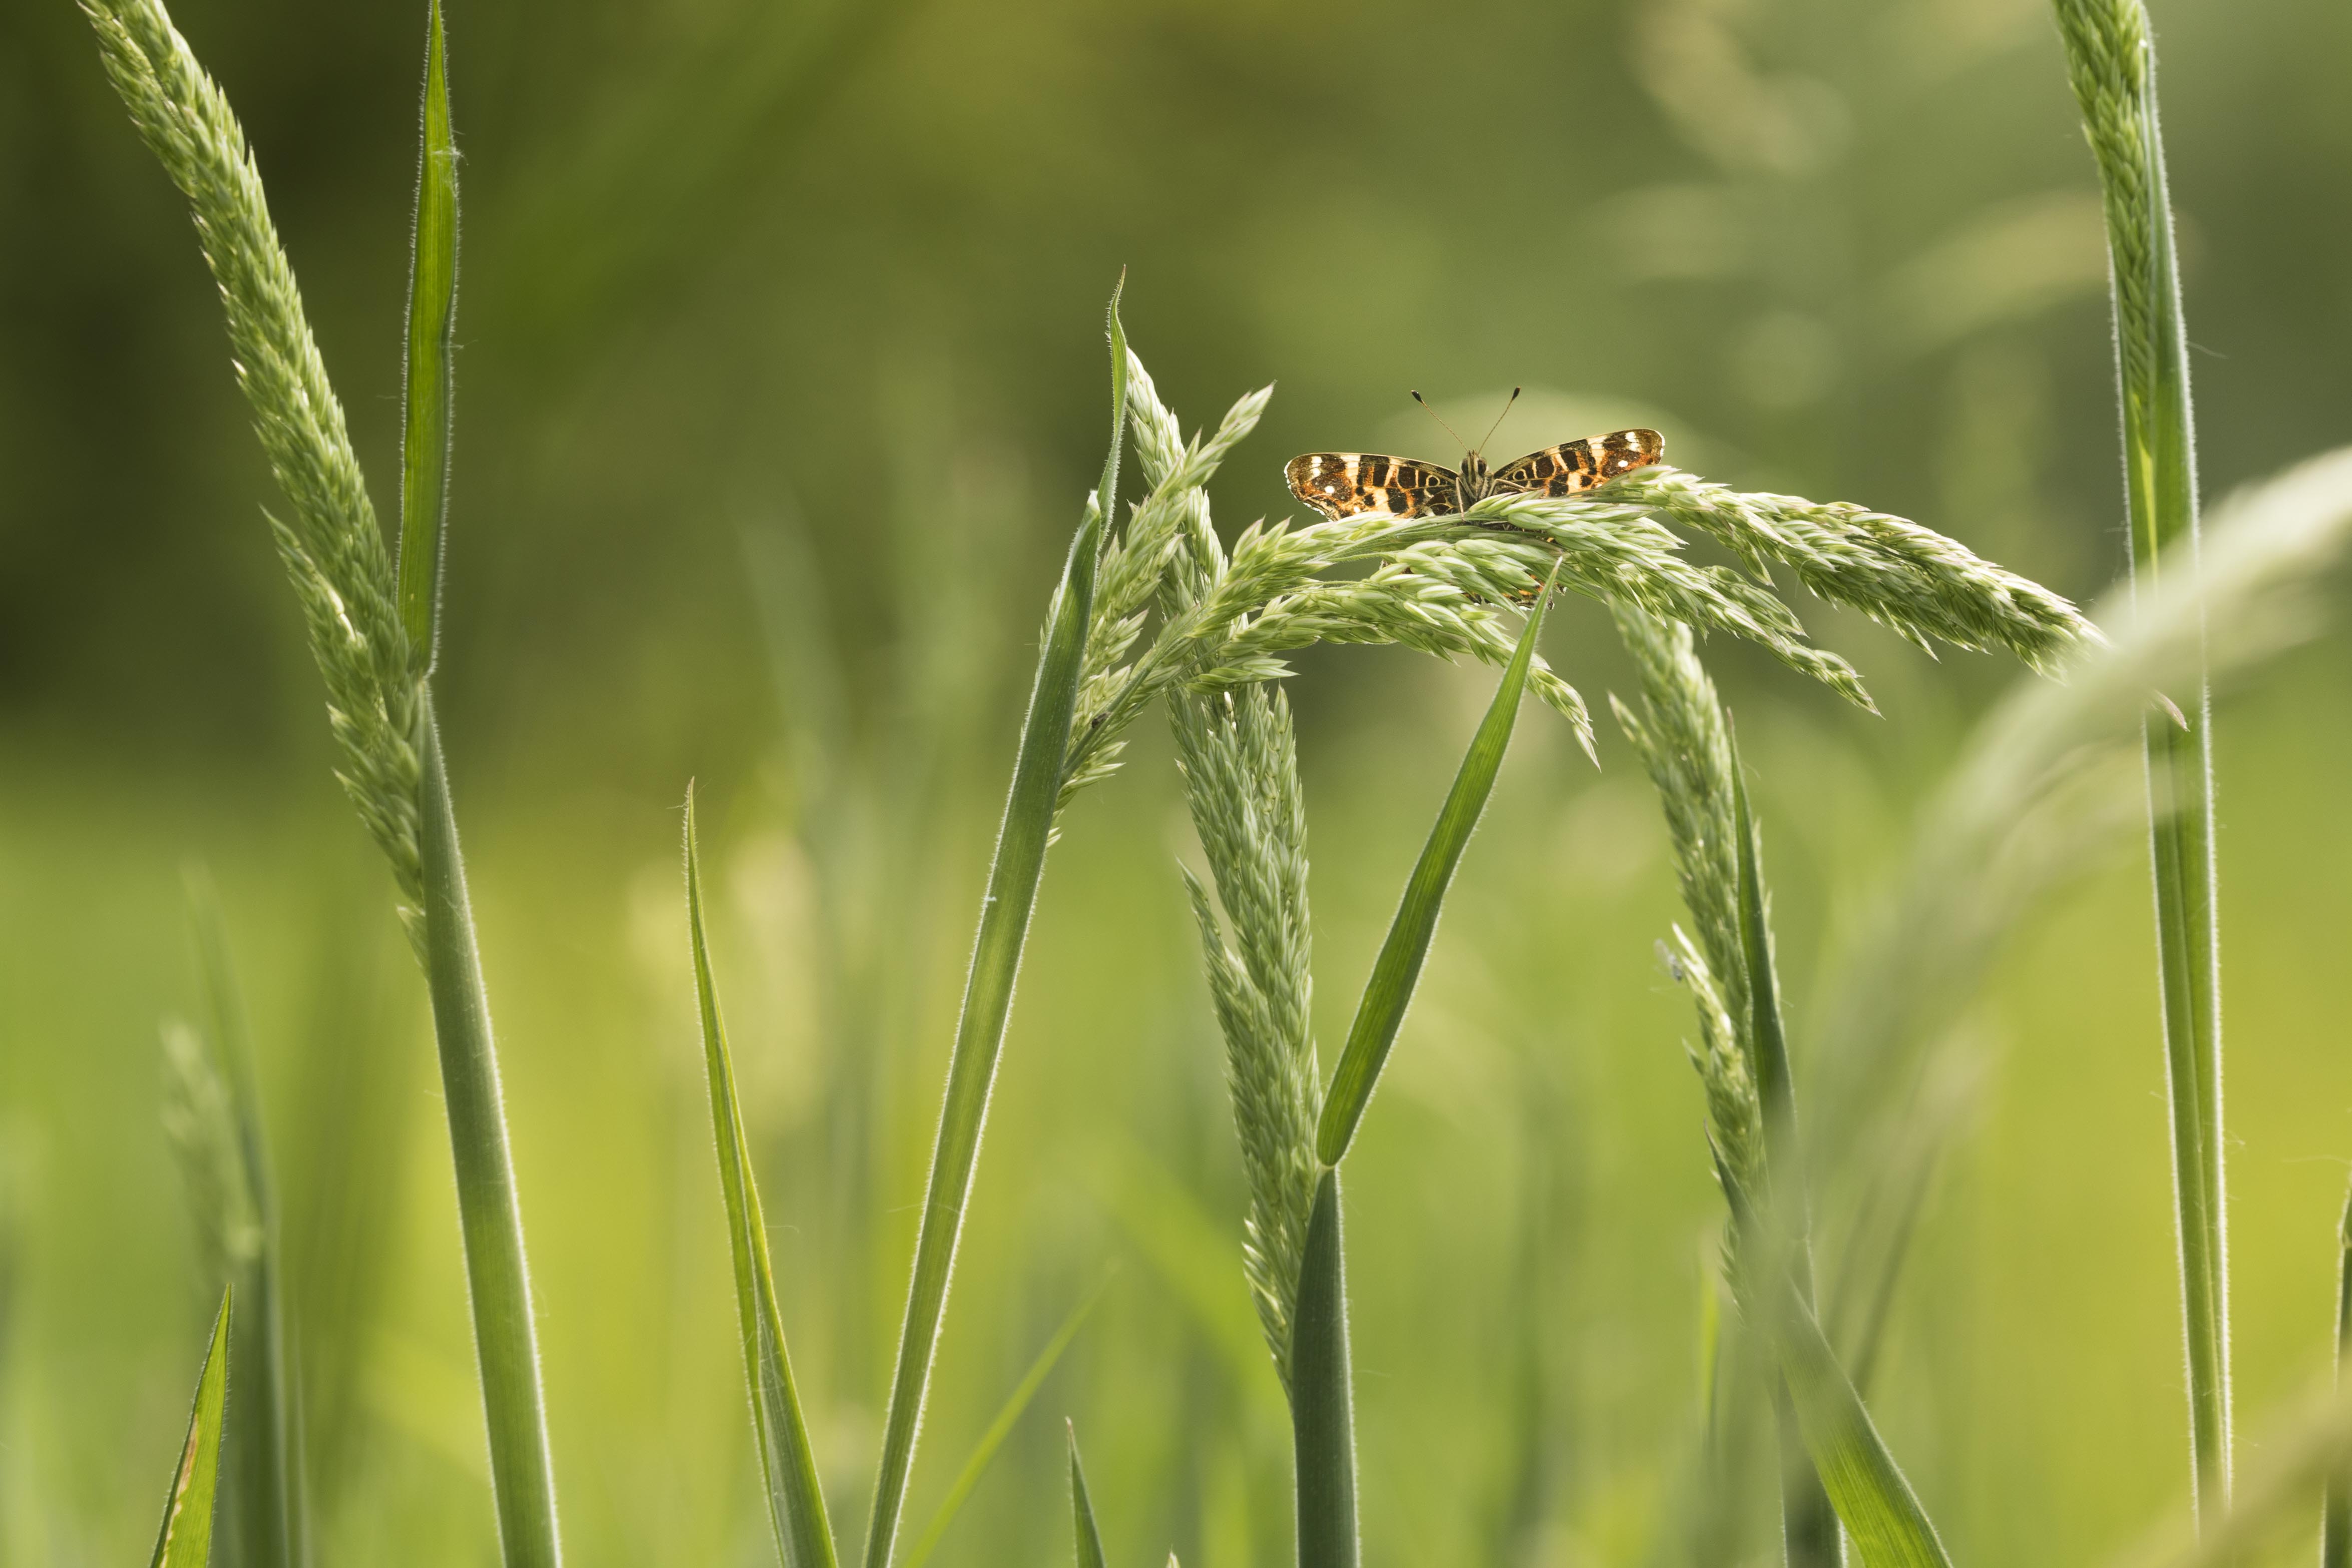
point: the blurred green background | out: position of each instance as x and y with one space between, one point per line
780 386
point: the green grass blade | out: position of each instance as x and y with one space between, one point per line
1881 1513
430 383
1808 1525
1107 493
787 1463
497 1276
1380 1014
1001 1428
1774 1085
1012 895
262 1516
1322 1391
185 1540
1082 1511
2112 58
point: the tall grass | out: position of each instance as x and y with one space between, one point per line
371 632
2111 56
1151 602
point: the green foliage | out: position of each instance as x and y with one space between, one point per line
1590 1182
787 1465
1082 1510
1379 1012
185 1540
430 383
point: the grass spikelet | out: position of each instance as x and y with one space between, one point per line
1908 578
1239 758
333 549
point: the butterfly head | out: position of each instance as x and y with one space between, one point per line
1477 478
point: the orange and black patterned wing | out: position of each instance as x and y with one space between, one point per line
1574 466
1351 484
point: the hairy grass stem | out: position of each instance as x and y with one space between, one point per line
2110 59
1027 831
506 1336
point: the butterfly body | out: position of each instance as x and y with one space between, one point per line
1355 484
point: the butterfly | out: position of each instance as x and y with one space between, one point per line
1358 484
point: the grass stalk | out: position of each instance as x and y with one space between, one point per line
1322 1393
185 1537
2112 60
1026 832
497 1276
787 1462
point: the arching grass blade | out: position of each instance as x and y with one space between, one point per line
1381 1011
185 1540
787 1463
1880 1511
1012 895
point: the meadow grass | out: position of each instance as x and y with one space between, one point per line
1152 604
2112 58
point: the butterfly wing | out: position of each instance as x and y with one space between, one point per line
1353 484
1574 466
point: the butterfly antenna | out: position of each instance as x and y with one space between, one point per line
1497 424
1441 425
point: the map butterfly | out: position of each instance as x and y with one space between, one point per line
1359 484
